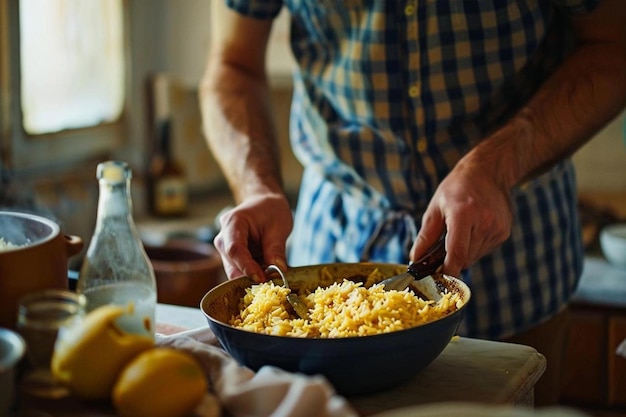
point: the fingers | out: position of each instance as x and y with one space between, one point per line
458 242
251 237
432 228
275 251
231 243
476 215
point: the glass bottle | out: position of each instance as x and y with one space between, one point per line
167 181
116 269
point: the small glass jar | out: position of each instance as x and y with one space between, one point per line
40 318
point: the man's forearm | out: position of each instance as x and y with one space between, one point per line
238 125
587 91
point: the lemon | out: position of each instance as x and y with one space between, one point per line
161 382
89 356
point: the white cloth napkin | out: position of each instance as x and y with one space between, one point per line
268 392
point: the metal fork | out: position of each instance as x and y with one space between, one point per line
298 305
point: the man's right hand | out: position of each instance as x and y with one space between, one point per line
254 235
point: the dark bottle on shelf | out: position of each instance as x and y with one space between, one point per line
167 181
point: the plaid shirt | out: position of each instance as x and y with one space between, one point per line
388 96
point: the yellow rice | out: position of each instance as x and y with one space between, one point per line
6 245
340 309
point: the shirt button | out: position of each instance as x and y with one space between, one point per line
414 91
409 9
421 146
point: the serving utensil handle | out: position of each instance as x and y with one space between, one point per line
430 262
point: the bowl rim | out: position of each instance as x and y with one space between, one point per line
610 230
55 229
326 340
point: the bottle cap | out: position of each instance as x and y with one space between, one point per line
113 171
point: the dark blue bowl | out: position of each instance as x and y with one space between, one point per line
353 365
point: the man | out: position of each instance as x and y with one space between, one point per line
417 118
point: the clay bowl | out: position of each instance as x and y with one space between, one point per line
185 270
353 365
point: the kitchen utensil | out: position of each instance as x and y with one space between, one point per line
40 262
298 305
419 273
354 365
185 269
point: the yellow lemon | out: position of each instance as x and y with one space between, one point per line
89 356
161 382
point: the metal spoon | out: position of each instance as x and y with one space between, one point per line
298 305
419 273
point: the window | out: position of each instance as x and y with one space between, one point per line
72 63
66 79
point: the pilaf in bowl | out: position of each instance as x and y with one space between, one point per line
361 338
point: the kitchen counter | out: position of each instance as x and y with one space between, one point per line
467 370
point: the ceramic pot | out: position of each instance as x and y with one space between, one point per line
185 269
39 262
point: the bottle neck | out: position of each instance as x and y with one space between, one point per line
164 131
115 201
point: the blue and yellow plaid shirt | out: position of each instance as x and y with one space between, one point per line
388 96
